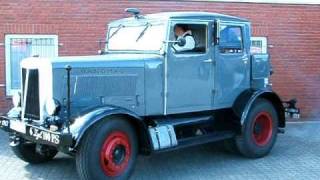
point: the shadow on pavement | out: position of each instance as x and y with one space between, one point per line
296 155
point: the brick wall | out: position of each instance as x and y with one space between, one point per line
292 30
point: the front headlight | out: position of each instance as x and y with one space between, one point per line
52 107
16 99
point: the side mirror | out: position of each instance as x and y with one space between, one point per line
181 41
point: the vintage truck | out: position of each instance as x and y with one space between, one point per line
142 96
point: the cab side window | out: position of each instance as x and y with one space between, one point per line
195 36
231 40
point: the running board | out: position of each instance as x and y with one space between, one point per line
163 134
184 121
201 139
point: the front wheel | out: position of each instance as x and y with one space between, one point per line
108 151
28 152
259 132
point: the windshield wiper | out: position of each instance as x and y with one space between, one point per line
143 31
116 31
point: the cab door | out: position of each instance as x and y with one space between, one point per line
189 75
232 62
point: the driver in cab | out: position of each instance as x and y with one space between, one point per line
181 31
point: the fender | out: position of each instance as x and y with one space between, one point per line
245 100
84 122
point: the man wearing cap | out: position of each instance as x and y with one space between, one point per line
181 31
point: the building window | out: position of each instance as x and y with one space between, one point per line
259 45
18 47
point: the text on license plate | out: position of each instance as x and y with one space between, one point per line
44 135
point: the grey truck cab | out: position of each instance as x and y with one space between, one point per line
164 81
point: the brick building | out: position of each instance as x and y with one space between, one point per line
289 31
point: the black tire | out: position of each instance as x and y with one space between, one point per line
230 146
259 132
93 158
27 152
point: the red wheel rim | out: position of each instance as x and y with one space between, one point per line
262 128
115 153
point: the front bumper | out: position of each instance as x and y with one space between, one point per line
36 134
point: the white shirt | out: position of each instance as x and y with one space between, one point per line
190 43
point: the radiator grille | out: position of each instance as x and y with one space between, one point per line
30 87
105 86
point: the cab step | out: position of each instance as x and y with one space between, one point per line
201 139
184 121
174 132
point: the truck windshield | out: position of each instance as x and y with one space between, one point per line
148 37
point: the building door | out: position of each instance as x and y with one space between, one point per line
18 47
189 77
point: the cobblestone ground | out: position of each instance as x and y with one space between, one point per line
296 155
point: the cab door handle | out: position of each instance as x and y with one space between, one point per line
208 61
245 60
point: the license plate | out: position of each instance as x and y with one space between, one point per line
4 123
18 126
43 135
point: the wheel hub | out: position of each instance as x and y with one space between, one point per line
115 154
119 154
262 128
257 129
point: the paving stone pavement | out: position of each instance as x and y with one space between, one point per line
296 155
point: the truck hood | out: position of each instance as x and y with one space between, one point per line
119 87
108 60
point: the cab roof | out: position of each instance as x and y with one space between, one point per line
194 15
184 15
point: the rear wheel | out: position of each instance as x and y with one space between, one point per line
230 146
28 152
259 132
108 151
